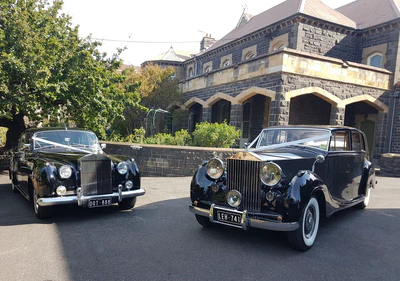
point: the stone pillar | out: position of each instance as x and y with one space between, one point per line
207 114
236 115
337 116
284 111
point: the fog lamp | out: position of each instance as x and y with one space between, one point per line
269 196
61 190
129 184
215 187
233 198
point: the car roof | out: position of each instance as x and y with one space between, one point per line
326 127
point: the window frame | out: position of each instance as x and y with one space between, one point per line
371 56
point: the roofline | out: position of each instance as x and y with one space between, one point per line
294 17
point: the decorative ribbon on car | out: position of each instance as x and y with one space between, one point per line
296 142
64 146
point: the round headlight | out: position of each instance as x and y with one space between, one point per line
215 168
65 172
61 190
234 198
270 174
122 168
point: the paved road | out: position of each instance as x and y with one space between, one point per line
160 240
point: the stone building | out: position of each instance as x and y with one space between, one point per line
302 62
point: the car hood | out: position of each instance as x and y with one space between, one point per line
72 158
290 159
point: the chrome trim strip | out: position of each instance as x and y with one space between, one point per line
79 199
247 222
119 192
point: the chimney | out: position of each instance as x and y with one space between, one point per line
206 42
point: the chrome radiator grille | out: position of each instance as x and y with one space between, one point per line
243 176
96 175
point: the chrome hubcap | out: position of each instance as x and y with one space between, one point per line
309 223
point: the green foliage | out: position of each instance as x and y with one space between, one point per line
181 138
3 132
215 135
137 136
45 65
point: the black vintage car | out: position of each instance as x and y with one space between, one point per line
285 180
60 166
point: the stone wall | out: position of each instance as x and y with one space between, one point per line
390 165
335 44
166 160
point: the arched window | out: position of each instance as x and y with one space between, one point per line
279 46
190 72
226 63
375 60
249 55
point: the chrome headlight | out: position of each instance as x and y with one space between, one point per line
65 171
233 198
215 168
270 174
122 168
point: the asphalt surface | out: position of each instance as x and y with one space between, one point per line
160 240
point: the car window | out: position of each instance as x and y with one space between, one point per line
340 141
356 141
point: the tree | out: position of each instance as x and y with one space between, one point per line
47 71
156 89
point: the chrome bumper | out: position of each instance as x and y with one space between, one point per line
246 220
80 199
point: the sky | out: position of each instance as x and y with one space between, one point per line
147 28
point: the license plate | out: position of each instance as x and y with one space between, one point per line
227 217
93 203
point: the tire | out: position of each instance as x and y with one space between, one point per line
303 238
367 196
40 211
127 204
204 221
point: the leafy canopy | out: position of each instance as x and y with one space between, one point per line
46 70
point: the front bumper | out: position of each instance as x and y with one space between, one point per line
247 221
81 200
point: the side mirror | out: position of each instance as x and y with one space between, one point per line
319 159
103 145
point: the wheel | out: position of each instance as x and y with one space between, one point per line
40 211
304 237
367 196
127 204
204 221
13 187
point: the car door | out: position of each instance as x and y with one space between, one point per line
359 147
340 167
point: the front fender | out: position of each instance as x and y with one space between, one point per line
301 188
200 186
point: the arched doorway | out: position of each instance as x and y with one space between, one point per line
221 111
195 116
363 116
309 109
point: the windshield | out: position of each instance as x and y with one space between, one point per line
66 140
274 138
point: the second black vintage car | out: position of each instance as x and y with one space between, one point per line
58 166
285 180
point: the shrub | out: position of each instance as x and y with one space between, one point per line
215 135
137 136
